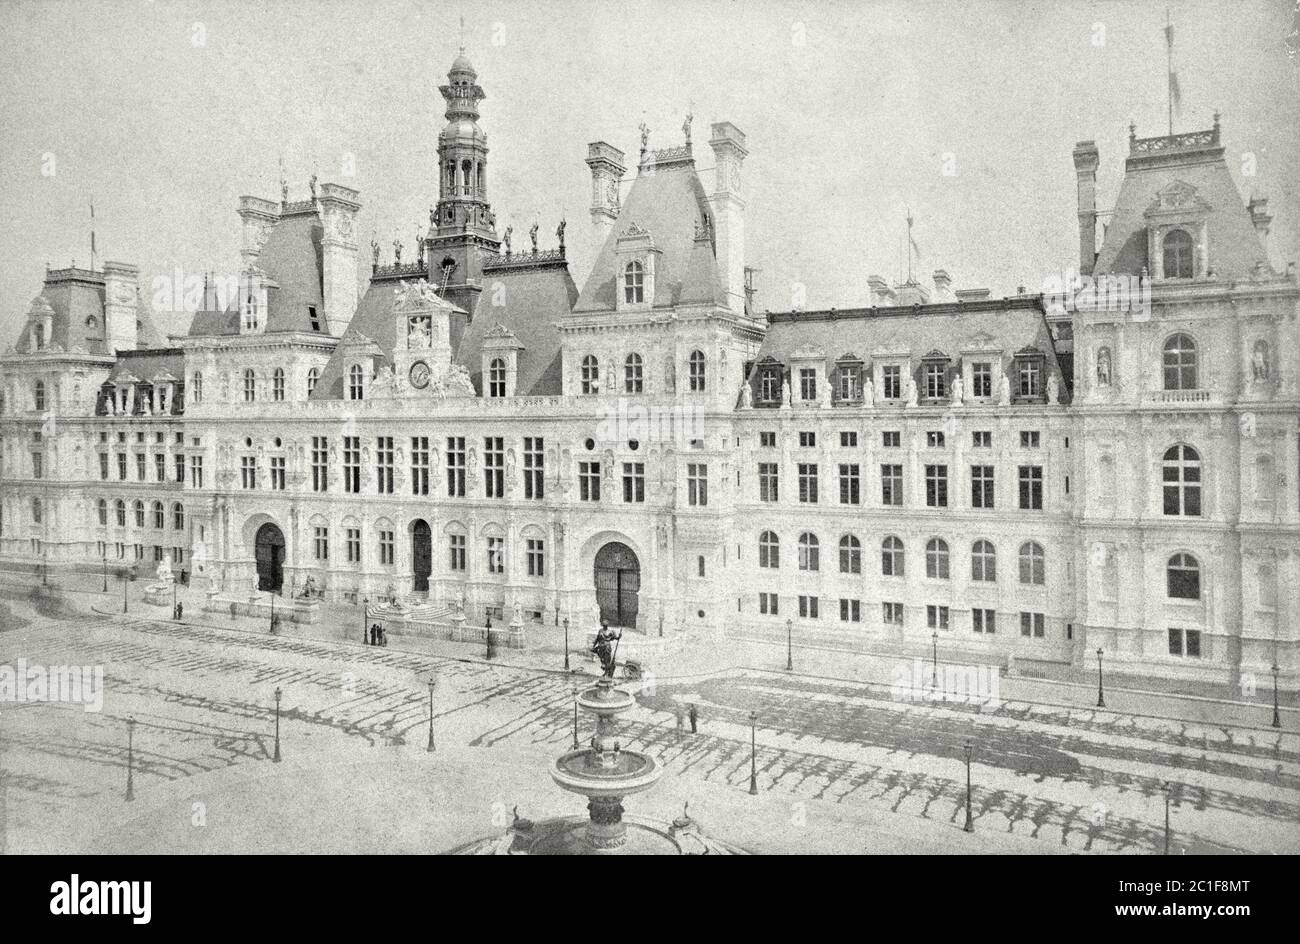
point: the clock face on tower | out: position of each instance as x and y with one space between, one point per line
419 375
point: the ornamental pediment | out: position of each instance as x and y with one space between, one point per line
1177 198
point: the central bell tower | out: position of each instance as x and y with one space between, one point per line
462 227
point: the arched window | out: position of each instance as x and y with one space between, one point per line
850 555
356 384
38 395
590 374
159 516
313 375
809 552
1181 475
1178 255
102 505
936 558
250 386
277 384
983 562
497 378
119 509
891 557
1183 577
198 387
138 508
634 283
695 371
178 516
633 378
1180 363
1032 564
769 550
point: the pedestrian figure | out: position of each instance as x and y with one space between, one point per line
694 715
681 720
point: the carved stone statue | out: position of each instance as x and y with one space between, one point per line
645 137
746 396
1259 360
397 252
374 252
312 184
1103 367
958 390
868 392
506 238
1004 391
605 647
1053 390
532 234
785 393
559 233
911 391
824 396
686 128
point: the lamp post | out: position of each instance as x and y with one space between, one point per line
789 645
1277 718
106 570
566 668
753 751
124 583
1101 696
430 748
934 661
271 594
276 758
130 758
365 619
174 616
970 823
45 567
1166 789
575 714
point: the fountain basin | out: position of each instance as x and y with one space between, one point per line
592 774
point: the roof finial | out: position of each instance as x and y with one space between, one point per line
462 34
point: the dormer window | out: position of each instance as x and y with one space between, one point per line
1179 363
38 395
356 383
769 383
850 379
934 375
497 378
1028 369
38 336
1178 233
1178 255
808 383
314 317
590 374
1030 376
634 283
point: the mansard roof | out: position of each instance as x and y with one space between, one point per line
667 201
74 296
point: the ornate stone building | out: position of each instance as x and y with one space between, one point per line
1037 476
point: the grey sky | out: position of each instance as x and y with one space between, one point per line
850 109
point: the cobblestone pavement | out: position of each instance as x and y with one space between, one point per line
1051 779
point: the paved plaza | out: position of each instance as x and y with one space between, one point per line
841 766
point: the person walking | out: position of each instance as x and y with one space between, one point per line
695 717
681 720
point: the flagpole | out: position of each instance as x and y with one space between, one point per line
92 234
1169 68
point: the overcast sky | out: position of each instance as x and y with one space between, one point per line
167 112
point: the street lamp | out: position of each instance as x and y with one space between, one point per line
45 567
970 823
575 713
1277 718
566 668
1166 789
130 758
271 594
365 619
175 616
125 579
753 750
934 663
105 569
430 747
1101 697
789 645
276 758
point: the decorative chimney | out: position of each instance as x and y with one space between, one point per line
1086 160
607 170
1259 215
338 209
258 217
882 295
942 286
121 306
729 152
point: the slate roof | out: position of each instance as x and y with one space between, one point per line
74 296
144 365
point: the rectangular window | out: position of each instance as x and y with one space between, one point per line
983 621
352 545
494 467
456 547
935 380
589 481
891 439
982 439
121 466
386 549
936 486
320 463
1029 439
769 604
384 465
808 483
496 555
103 466
419 465
808 607
981 486
38 465
807 383
321 542
160 466
277 473
456 466
1031 487
352 464
850 610
1185 642
196 471
850 480
769 479
1031 625
981 379
936 617
1029 374
807 439
534 467
891 614
535 555
248 471
891 485
848 439
934 439
633 481
180 468
767 440
139 467
891 380
697 484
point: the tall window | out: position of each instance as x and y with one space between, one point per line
456 466
768 481
634 283
196 471
248 471
1180 363
850 555
321 542
138 508
534 467
981 379
935 376
535 556
589 481
1029 374
936 486
981 486
697 483
1183 577
277 473
159 516
250 386
590 374
313 375
695 371
496 555
891 484
633 374
197 385
891 557
1181 474
848 377
356 384
1031 625
38 511
983 562
352 464
850 493
38 395
497 378
1031 487
319 463
1178 255
633 481
1032 563
494 467
178 517
936 558
807 383
891 382
769 550
808 482
769 385
456 551
352 545
386 548
277 384
102 506
384 465
419 465
809 552
119 509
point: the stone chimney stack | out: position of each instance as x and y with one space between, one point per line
942 286
882 296
729 152
258 217
607 170
338 209
1086 159
121 306
1259 215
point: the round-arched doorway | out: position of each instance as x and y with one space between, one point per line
269 551
618 579
421 555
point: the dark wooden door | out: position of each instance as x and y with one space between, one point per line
421 556
618 580
270 558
